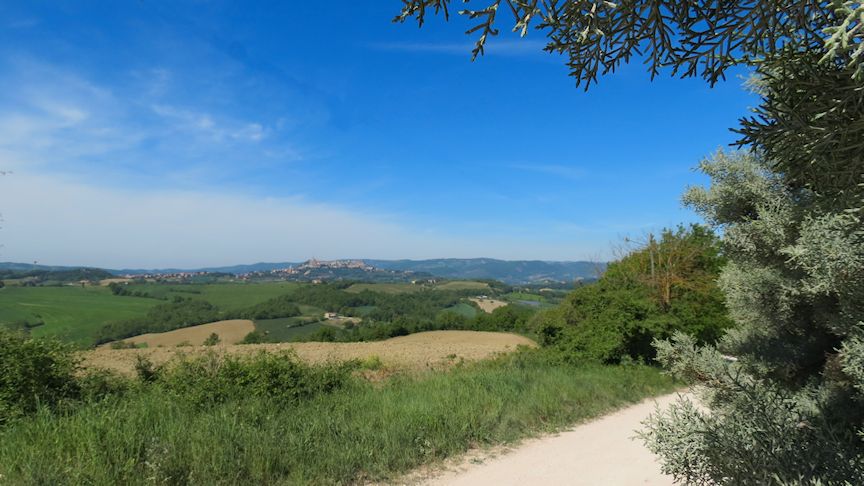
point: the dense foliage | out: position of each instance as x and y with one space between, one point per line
161 318
283 306
127 291
510 318
55 277
790 406
690 38
33 373
663 286
211 379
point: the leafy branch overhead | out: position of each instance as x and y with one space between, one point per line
808 58
689 37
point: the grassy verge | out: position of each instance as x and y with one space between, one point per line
361 431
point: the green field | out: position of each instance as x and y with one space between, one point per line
516 296
70 313
310 310
79 314
462 285
463 309
387 288
75 314
289 329
227 296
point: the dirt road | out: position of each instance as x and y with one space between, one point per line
601 452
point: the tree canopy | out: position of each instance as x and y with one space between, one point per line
690 37
665 284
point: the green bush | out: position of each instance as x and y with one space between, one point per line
212 339
254 337
211 379
96 385
123 345
33 372
664 286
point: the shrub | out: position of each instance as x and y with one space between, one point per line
212 379
372 362
123 345
212 339
145 369
99 384
33 372
254 337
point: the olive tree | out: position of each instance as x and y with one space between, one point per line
784 389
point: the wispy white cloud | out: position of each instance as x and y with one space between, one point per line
56 118
206 124
117 176
55 220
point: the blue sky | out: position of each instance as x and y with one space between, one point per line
149 133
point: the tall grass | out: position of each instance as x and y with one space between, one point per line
362 431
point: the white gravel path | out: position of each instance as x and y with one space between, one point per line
602 452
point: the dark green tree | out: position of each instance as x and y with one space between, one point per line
212 340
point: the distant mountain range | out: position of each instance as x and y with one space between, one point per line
507 271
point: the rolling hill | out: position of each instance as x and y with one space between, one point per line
507 271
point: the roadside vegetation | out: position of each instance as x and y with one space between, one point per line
664 285
271 419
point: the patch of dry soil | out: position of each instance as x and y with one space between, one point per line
229 332
488 305
415 352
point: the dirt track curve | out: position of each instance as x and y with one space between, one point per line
601 452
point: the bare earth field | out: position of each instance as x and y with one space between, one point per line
230 332
416 351
488 305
